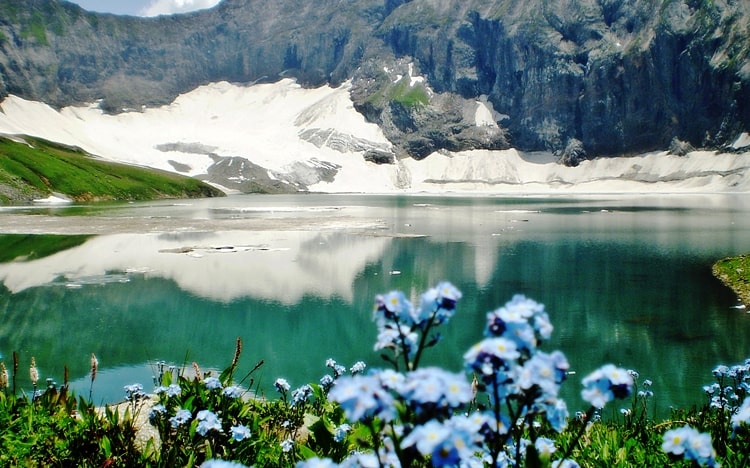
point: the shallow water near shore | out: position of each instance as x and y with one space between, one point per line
625 279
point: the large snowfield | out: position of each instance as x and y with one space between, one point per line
263 123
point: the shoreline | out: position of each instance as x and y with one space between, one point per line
734 272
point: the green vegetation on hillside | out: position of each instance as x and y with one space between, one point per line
35 168
34 246
735 273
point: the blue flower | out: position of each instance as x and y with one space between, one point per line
213 383
545 447
391 380
491 355
233 391
557 414
721 371
688 443
358 367
181 417
339 434
207 421
287 445
157 411
222 464
437 387
438 304
447 443
567 463
282 386
326 382
301 394
363 397
134 388
173 390
399 338
134 392
393 307
426 438
742 416
605 384
316 463
240 432
521 320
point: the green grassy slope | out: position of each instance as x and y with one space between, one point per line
735 273
35 168
34 246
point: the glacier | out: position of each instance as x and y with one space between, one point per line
314 140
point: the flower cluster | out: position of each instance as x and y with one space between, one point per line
731 388
517 375
207 421
425 405
508 361
363 397
453 442
134 393
181 417
689 444
173 390
606 384
281 385
522 321
404 328
301 395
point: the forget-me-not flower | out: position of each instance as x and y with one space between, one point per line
743 414
156 412
240 432
339 434
207 421
181 417
282 386
605 384
316 463
363 397
213 383
287 445
689 444
233 391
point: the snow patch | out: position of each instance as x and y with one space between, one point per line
265 124
742 141
54 199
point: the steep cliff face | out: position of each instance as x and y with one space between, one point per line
619 76
599 76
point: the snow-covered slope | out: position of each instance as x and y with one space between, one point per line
313 139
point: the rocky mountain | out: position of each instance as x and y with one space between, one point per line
581 78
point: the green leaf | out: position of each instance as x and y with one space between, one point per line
305 452
106 446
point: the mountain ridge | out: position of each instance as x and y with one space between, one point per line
582 79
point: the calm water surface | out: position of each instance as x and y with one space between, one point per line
625 280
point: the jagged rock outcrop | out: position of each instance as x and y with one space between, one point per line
618 76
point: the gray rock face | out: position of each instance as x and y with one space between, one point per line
617 76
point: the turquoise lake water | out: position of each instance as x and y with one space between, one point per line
625 280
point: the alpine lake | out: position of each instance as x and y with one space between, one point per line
626 279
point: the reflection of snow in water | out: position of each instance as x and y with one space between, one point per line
222 266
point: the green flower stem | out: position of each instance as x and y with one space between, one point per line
574 441
422 341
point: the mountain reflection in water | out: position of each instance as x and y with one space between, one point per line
625 281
